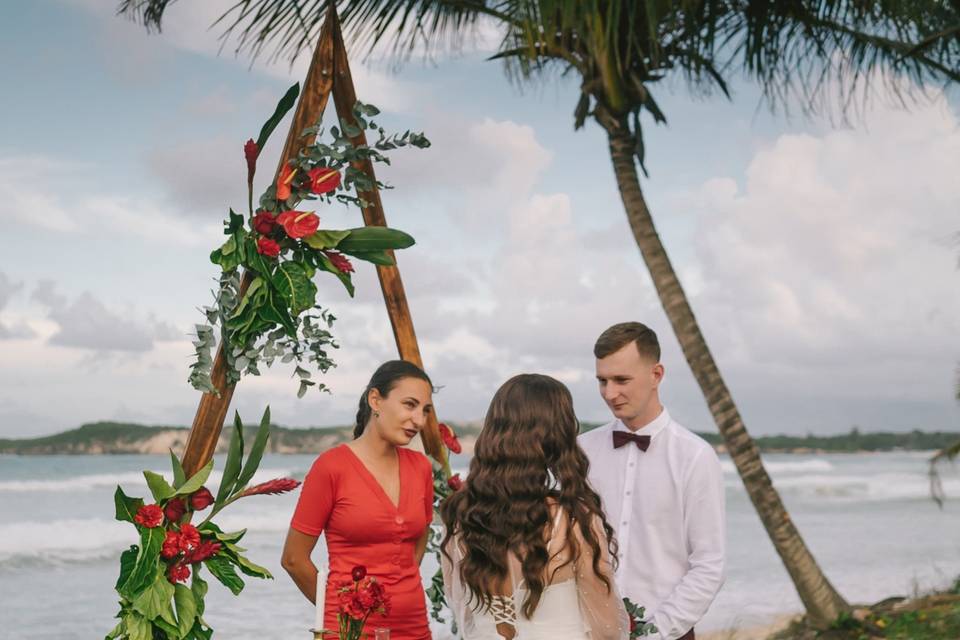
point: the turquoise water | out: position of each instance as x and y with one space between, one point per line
867 518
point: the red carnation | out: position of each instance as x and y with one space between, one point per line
359 573
178 573
171 545
351 605
284 180
264 222
201 499
149 516
340 261
298 224
449 438
279 485
323 179
455 482
175 509
250 151
206 549
189 537
268 247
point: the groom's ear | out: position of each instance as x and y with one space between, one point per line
657 372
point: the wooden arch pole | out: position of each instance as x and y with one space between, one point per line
329 72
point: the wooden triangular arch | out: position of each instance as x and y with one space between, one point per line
329 73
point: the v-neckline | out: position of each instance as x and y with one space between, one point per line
375 484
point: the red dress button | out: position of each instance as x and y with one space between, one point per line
399 520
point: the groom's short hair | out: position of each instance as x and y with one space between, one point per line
620 335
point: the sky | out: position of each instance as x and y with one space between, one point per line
820 257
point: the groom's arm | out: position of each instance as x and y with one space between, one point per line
705 524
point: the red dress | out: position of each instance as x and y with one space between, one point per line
341 498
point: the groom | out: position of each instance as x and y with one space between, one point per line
661 487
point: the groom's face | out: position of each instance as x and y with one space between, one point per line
629 383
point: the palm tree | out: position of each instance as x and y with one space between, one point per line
620 50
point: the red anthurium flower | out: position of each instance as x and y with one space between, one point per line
268 247
206 549
279 485
283 182
359 573
178 573
149 516
189 537
175 509
323 180
250 151
340 261
201 499
455 482
171 545
264 222
298 224
449 438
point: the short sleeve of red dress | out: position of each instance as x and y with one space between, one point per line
316 497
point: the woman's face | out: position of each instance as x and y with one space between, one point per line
403 412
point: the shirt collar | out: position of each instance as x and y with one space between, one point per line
652 428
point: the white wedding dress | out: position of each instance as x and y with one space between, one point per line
575 605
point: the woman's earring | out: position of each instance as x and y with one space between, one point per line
376 414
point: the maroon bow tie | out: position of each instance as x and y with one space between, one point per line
621 438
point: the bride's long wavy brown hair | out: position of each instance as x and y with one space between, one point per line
526 453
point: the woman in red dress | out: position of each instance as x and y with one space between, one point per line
373 500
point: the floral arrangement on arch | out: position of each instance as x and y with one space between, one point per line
283 246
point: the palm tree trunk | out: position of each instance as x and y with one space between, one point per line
822 602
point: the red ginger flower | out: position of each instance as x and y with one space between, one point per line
149 516
359 573
455 482
268 247
298 224
251 151
323 180
189 537
171 545
201 499
264 222
283 182
206 549
174 509
279 485
449 438
178 573
340 261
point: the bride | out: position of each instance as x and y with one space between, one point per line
527 551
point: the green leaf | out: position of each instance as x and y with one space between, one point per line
147 565
251 569
233 536
126 507
186 606
117 630
196 480
199 589
128 559
376 257
286 103
274 311
170 630
179 477
326 239
222 569
154 602
292 282
138 628
256 451
234 455
234 224
158 486
375 239
324 262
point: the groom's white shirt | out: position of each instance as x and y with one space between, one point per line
666 505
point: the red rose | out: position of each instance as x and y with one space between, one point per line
178 573
268 247
250 151
206 549
298 224
340 261
189 537
323 179
359 573
449 438
171 545
201 499
455 482
175 509
284 180
149 516
264 222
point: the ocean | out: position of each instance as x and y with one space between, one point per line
868 519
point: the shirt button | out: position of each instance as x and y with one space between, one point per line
397 540
396 560
625 523
630 465
629 492
398 520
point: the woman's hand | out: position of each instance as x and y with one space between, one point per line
296 561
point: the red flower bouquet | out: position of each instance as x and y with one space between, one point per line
357 600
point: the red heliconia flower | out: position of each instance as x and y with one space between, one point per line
279 485
323 179
268 247
455 482
206 549
284 180
171 545
264 222
359 573
178 573
201 499
340 261
174 509
189 537
449 438
298 224
149 516
250 151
